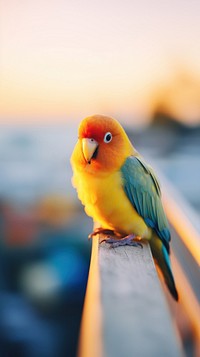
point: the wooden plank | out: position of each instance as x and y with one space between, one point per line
189 302
135 315
90 341
183 220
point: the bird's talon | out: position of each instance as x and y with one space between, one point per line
128 240
105 239
103 231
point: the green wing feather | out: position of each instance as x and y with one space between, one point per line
143 190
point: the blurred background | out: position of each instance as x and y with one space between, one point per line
59 62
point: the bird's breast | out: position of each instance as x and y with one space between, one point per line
106 202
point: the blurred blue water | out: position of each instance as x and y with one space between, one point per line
34 161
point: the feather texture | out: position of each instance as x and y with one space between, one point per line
143 190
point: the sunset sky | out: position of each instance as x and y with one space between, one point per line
61 60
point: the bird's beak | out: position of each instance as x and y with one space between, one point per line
89 146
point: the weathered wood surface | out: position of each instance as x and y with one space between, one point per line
90 342
135 320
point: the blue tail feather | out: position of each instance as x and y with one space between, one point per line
168 276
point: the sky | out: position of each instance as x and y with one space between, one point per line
63 60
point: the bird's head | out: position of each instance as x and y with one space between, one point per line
102 145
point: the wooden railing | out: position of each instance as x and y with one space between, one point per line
185 227
126 312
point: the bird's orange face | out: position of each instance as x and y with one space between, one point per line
102 146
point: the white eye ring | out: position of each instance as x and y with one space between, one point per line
107 137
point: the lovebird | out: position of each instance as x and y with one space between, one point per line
120 191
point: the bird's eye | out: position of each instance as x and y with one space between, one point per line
107 137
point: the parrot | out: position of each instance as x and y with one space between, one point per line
120 191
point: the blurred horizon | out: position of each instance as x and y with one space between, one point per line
61 61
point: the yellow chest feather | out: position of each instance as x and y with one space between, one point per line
106 202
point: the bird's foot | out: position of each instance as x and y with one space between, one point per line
99 230
131 239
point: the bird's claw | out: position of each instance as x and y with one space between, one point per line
128 240
107 232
